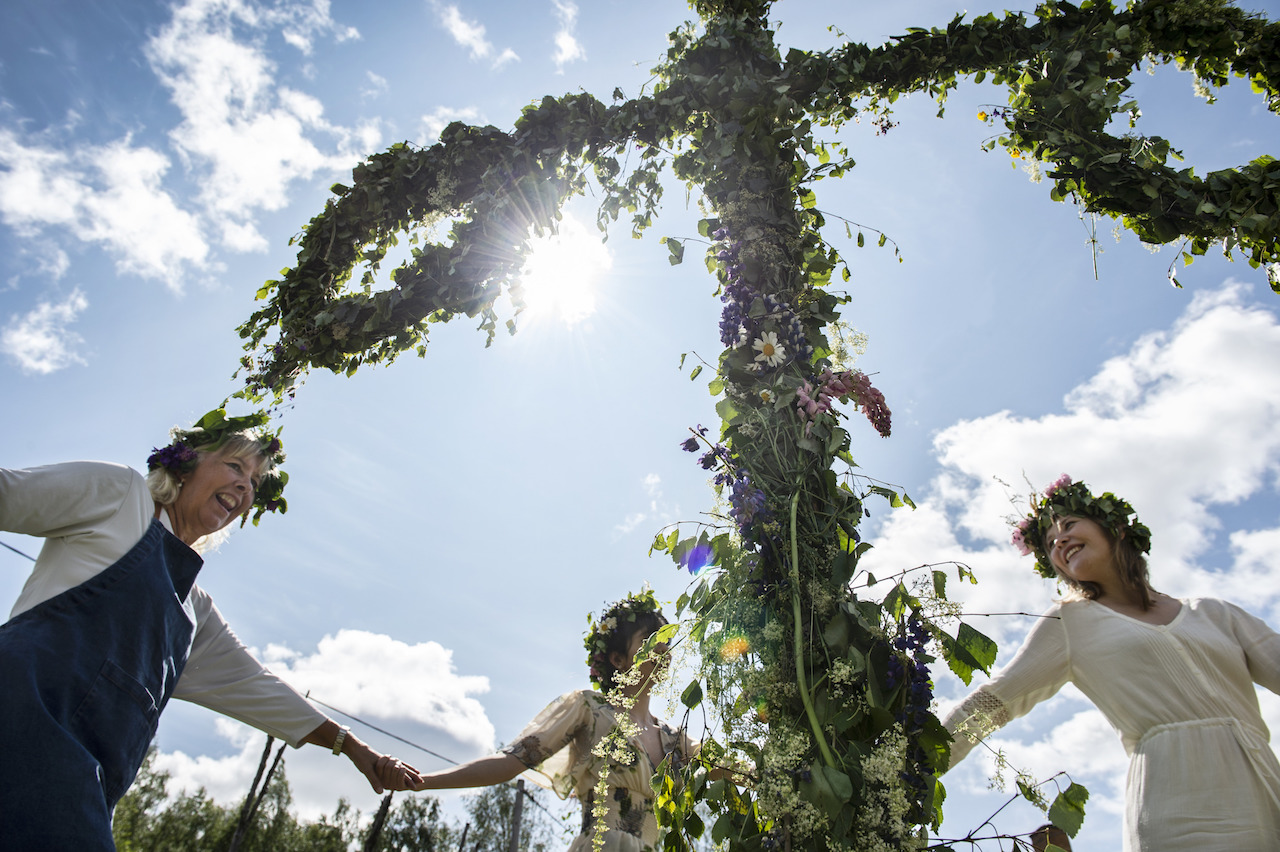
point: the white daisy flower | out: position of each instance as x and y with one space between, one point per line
771 351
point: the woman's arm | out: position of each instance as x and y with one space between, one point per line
383 771
481 772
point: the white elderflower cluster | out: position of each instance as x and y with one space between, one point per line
882 818
784 752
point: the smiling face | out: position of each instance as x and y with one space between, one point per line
216 492
1080 550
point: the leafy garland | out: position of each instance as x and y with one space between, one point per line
824 692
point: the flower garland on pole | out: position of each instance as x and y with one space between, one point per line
821 691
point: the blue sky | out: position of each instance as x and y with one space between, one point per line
454 518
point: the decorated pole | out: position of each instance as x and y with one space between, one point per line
815 672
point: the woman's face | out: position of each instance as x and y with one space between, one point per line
656 662
1078 547
219 489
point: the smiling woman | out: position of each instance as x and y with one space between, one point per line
560 278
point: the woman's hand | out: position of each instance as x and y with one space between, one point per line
383 771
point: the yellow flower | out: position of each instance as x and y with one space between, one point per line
982 116
733 648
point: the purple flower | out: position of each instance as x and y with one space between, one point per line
689 445
176 457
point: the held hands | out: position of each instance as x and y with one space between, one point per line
383 771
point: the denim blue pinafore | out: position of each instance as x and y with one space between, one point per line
83 678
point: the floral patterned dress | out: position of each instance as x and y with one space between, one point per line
559 745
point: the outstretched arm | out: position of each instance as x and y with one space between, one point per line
481 772
383 771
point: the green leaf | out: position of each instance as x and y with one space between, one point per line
1067 810
676 248
695 372
692 695
940 584
728 413
716 386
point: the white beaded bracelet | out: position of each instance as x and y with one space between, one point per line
340 739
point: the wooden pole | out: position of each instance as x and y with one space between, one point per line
246 810
379 819
517 809
462 847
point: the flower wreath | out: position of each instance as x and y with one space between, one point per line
180 456
598 632
1065 497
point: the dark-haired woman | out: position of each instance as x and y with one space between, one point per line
111 625
1175 678
566 743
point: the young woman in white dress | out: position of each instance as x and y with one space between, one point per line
566 744
1174 677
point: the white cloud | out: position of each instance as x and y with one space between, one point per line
40 341
377 86
657 513
1184 426
412 690
110 194
435 123
568 48
244 136
470 34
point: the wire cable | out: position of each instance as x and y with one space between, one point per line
382 731
17 551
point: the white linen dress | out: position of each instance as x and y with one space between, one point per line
1202 775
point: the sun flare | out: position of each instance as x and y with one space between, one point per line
562 273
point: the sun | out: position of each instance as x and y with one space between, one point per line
562 272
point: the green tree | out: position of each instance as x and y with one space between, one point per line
415 825
823 693
490 812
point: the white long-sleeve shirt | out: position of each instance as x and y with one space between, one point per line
92 513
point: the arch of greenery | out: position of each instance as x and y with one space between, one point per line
824 695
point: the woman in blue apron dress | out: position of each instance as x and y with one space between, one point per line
111 625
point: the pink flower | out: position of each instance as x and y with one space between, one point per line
1061 482
1019 537
809 406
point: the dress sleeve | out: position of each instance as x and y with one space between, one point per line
222 675
551 730
1261 646
545 744
1039 669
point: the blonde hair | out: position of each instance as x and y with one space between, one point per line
165 485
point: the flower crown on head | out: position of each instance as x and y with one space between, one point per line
1065 497
598 632
181 456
